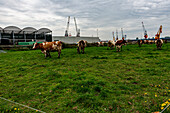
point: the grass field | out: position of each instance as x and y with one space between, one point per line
134 80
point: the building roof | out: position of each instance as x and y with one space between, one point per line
44 30
10 29
26 30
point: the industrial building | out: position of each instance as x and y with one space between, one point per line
11 35
74 39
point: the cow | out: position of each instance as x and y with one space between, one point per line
111 44
46 47
159 43
81 45
140 43
100 44
119 44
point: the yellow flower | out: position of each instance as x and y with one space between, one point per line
18 108
81 86
155 95
15 108
137 93
169 99
145 93
145 101
167 88
163 104
36 110
159 85
162 108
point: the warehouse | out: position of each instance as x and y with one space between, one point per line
11 35
74 39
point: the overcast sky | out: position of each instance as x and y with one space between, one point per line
104 15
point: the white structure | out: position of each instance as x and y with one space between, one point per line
74 40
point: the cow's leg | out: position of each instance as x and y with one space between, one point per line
59 52
78 50
121 48
83 49
49 54
45 53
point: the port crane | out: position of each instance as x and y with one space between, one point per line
145 32
77 30
117 35
122 34
66 31
157 36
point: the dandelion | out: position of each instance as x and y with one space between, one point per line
137 93
166 102
155 85
36 110
81 86
18 109
159 85
163 104
162 108
155 95
167 88
145 101
15 108
145 93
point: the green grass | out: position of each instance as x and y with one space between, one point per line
134 80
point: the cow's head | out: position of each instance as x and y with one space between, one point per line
85 43
35 46
124 42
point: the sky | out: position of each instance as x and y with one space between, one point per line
104 16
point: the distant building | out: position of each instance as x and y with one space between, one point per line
74 39
11 35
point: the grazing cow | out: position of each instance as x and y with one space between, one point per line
119 44
100 44
46 47
111 43
81 45
140 42
159 43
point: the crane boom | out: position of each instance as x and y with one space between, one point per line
157 36
75 24
68 22
77 30
122 33
116 34
145 32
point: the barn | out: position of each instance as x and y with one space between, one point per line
12 35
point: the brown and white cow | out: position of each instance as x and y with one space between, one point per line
81 45
100 44
46 47
119 44
111 43
159 43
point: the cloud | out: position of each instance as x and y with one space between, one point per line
106 16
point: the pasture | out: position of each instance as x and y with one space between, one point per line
134 80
